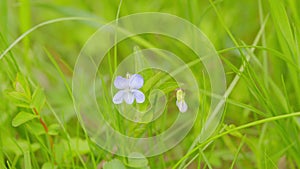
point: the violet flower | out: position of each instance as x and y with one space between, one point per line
180 103
129 89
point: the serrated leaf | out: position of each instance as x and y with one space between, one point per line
114 164
137 160
38 98
54 129
22 118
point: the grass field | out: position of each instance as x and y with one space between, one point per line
43 126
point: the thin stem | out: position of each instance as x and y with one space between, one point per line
50 139
41 120
116 36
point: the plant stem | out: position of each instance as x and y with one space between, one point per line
41 120
47 132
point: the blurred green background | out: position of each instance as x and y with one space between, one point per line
260 35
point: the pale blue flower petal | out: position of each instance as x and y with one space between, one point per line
139 96
121 83
129 89
136 81
182 106
118 98
128 97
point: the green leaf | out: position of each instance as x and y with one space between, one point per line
140 61
38 99
79 145
36 128
22 85
19 96
137 160
114 164
27 160
22 118
48 165
54 129
23 105
153 80
19 88
168 87
61 151
18 147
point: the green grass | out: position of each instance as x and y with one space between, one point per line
257 41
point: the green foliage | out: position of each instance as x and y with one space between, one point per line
54 129
27 161
18 147
137 160
22 118
114 164
23 97
258 42
21 92
48 165
38 99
